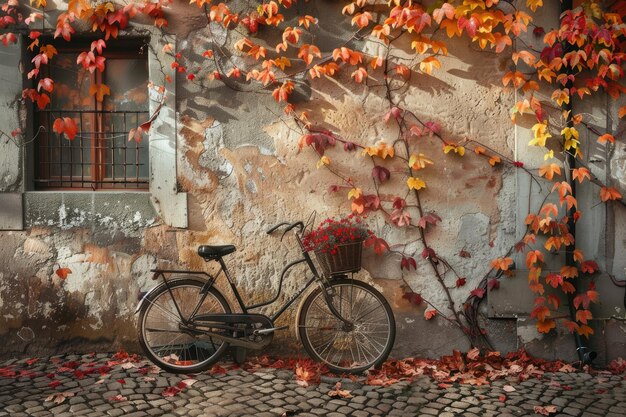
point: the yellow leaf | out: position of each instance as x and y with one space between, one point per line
458 149
415 183
541 134
324 160
418 162
548 155
354 193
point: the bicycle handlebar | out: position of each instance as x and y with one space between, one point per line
290 226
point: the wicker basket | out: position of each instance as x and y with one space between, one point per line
346 259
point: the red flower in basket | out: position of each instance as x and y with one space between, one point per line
338 244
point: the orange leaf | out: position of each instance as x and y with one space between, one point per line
580 174
545 326
99 90
501 263
548 171
428 64
583 315
429 314
621 112
585 330
569 271
606 137
609 193
63 272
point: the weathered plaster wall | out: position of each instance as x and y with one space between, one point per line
242 171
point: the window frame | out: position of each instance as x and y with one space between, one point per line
125 48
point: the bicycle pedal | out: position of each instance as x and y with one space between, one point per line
268 331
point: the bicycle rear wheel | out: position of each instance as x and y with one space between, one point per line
163 338
353 348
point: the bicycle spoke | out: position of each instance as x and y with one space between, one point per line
347 347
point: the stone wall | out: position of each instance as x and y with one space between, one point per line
238 170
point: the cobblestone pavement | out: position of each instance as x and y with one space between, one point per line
90 385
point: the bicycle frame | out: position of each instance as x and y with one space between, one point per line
244 308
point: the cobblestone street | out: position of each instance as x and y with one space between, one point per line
92 385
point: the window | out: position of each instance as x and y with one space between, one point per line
100 156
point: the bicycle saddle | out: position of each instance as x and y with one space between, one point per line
215 252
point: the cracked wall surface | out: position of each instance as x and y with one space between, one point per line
243 172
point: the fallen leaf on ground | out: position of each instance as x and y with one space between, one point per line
546 411
338 392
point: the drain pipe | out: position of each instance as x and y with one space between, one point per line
585 354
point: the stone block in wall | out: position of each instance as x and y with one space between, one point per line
514 298
11 211
558 344
611 299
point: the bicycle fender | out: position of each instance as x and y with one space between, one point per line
157 287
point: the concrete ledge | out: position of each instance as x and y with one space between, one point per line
11 211
108 209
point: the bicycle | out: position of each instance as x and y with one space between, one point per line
186 324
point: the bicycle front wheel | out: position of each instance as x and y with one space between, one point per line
163 337
355 347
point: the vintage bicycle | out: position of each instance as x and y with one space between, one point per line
185 323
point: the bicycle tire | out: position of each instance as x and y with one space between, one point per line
310 326
162 293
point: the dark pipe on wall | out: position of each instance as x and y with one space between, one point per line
585 354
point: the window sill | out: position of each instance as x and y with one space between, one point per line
129 210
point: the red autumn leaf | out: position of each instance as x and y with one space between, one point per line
429 314
413 298
399 203
401 218
493 284
478 292
42 101
379 245
63 272
408 263
121 381
460 282
117 398
54 384
502 398
589 267
217 370
518 164
47 84
431 218
546 411
98 45
395 112
465 254
382 174
429 253
554 280
67 126
170 391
